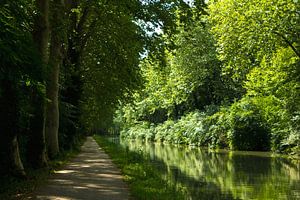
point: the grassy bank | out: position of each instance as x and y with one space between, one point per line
144 180
16 188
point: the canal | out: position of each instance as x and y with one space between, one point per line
213 175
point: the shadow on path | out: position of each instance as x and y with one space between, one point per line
91 175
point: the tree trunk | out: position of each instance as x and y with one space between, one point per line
9 122
55 60
41 29
17 168
37 143
52 110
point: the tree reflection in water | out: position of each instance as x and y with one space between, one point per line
204 174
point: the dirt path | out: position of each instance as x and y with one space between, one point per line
91 175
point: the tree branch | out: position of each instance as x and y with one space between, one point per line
82 20
288 42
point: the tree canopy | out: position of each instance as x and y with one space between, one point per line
67 65
232 80
222 74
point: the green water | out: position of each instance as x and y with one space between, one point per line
204 174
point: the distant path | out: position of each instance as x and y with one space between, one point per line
91 176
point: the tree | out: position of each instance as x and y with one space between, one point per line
55 61
19 71
259 43
275 87
37 143
111 60
248 31
110 63
190 79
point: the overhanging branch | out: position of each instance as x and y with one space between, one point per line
288 42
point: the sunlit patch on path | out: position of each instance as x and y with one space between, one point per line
91 175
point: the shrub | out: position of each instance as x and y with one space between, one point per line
248 130
218 126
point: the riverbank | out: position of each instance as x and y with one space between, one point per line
144 180
220 129
222 175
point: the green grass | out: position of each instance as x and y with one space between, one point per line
144 180
16 188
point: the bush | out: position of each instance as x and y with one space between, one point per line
218 126
248 130
254 123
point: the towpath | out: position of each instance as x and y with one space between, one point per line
89 176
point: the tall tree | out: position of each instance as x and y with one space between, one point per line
37 143
52 90
108 21
19 69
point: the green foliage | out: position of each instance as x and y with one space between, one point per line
248 31
19 58
248 130
275 89
223 174
194 67
253 123
190 79
196 128
110 50
218 127
249 70
21 77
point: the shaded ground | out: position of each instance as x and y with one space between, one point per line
91 175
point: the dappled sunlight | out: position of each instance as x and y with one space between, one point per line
89 176
54 198
64 171
61 181
94 160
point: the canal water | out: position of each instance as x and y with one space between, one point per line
204 174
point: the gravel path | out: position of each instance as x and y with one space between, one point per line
91 175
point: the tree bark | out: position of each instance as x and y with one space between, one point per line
52 110
55 60
17 168
37 141
41 29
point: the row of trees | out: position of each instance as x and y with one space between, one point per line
232 81
224 74
64 65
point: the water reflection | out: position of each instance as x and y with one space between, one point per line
204 174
